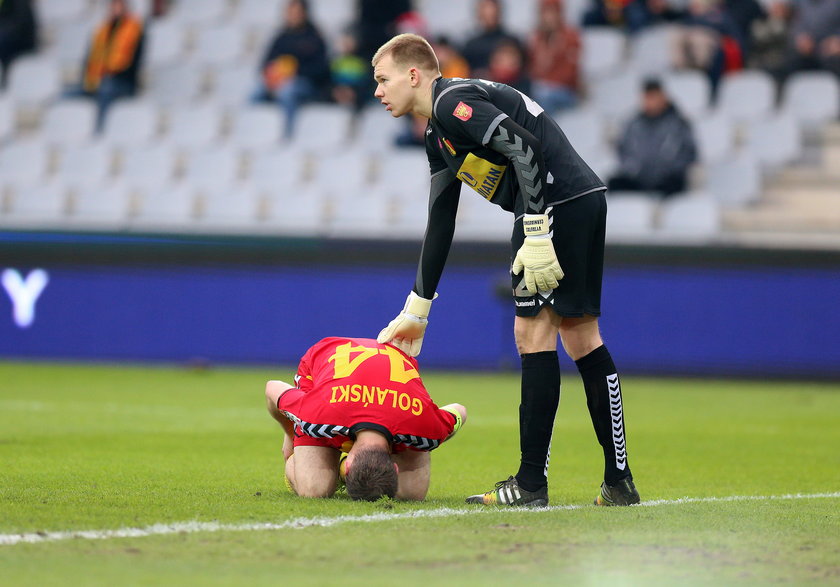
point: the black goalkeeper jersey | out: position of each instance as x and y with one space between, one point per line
465 115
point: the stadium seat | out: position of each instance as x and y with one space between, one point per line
256 127
410 216
259 14
69 122
41 205
69 45
233 86
690 216
631 215
7 120
84 165
300 212
230 207
746 95
376 130
774 141
175 85
650 50
344 175
332 17
735 181
34 80
479 220
448 18
199 12
131 122
219 46
167 209
193 126
602 51
584 127
278 170
24 162
405 172
520 16
165 43
101 207
58 12
715 137
812 97
148 168
616 97
214 166
365 216
690 91
321 128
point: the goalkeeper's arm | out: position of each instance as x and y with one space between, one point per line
407 329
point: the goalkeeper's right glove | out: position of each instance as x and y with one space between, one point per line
537 257
406 330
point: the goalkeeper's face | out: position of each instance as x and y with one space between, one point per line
395 86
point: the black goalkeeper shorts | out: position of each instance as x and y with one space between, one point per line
579 228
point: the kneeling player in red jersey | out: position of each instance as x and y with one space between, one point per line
356 396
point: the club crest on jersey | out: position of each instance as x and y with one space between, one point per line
462 111
449 147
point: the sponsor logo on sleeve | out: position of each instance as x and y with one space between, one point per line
449 147
481 175
462 111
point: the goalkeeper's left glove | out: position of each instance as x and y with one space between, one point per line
537 257
406 330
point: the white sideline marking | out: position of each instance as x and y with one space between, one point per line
301 523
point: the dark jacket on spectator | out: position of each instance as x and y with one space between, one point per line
655 147
478 49
307 46
18 30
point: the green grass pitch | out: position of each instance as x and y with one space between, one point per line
101 448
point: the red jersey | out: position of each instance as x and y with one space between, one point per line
349 384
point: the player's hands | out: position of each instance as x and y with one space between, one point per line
536 256
406 330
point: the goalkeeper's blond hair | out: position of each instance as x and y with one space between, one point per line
409 50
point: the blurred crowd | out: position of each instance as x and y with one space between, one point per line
300 64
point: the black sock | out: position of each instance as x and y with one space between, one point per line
540 397
603 398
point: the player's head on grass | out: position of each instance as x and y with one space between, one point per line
404 69
371 475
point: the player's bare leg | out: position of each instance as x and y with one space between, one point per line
582 341
315 471
414 473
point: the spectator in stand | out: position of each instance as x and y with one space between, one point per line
452 63
350 73
745 14
769 41
630 15
377 22
507 66
295 68
553 58
708 40
814 41
479 48
18 32
112 64
656 148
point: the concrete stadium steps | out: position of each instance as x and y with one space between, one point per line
802 199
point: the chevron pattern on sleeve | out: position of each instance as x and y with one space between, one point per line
525 164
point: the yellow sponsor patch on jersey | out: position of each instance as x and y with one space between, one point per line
481 175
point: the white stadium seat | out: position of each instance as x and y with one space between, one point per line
24 162
630 215
165 43
735 181
199 12
746 95
812 97
256 127
60 11
690 216
69 122
616 98
365 216
479 220
298 212
175 85
131 122
585 129
219 46
208 168
37 206
84 165
376 130
520 16
101 207
332 16
259 14
34 80
148 168
232 206
233 86
170 208
194 126
715 137
405 172
343 175
277 170
449 18
690 91
602 51
7 119
651 50
321 127
774 141
410 218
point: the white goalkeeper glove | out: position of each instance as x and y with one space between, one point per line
536 256
406 330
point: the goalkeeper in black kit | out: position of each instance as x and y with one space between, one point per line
507 149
